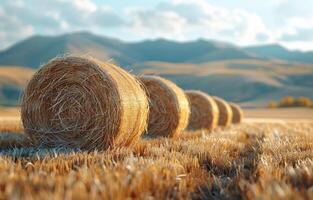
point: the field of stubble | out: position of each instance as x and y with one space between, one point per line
247 161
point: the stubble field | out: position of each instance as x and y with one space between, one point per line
265 160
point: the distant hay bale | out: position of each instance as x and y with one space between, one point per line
237 113
204 113
83 103
225 112
169 108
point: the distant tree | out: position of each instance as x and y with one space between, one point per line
287 101
304 101
290 101
272 104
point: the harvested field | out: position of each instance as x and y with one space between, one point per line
292 114
269 161
11 125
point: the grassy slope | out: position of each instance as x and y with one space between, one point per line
15 74
280 113
12 81
9 112
246 161
252 82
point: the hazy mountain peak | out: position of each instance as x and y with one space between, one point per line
39 49
276 51
241 74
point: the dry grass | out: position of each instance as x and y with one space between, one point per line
237 113
15 75
204 113
247 161
280 113
168 107
11 125
10 120
225 112
10 112
265 72
84 103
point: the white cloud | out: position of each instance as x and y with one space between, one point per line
292 8
301 22
181 19
85 5
304 45
154 24
11 28
298 32
174 19
20 19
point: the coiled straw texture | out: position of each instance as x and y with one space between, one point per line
83 103
237 113
225 112
204 113
169 108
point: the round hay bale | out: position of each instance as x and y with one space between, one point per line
225 112
203 111
237 113
83 103
168 107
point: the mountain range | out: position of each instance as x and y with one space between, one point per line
250 75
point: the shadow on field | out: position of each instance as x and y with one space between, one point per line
223 179
224 182
17 146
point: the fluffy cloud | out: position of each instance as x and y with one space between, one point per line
174 19
154 24
297 30
11 28
194 19
292 8
19 19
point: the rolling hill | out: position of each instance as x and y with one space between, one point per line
251 82
250 75
12 81
37 50
275 51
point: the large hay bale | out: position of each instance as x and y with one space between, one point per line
169 108
203 111
237 113
225 112
83 103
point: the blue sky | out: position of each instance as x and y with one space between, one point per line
242 22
